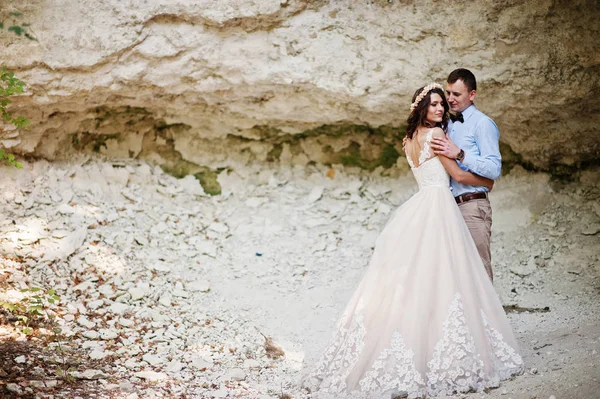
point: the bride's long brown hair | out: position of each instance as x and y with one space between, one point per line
418 116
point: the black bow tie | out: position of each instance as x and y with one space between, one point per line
457 117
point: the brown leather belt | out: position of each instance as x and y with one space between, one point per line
470 196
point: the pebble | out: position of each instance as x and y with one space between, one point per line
89 374
150 375
201 363
126 386
237 374
165 299
97 354
174 366
137 293
51 383
12 387
219 393
21 359
118 308
37 384
90 334
108 334
126 322
83 321
199 286
153 360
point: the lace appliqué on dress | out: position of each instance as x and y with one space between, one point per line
394 371
340 356
425 151
507 362
456 366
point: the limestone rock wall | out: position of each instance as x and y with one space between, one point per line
196 83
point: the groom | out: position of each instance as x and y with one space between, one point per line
472 140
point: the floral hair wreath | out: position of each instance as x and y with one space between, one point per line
424 93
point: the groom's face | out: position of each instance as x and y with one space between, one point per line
459 96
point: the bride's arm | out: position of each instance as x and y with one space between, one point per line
461 176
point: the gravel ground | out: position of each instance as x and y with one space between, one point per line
168 292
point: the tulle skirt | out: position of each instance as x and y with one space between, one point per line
425 319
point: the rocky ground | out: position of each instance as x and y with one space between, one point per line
167 292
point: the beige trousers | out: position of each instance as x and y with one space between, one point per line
478 216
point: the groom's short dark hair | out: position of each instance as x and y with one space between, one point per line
465 75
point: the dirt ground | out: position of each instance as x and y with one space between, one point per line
166 292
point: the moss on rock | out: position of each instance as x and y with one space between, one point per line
209 181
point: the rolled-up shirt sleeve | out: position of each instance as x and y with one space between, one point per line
489 161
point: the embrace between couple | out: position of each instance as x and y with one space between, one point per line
425 319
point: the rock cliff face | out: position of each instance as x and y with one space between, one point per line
199 85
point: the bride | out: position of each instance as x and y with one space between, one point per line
425 319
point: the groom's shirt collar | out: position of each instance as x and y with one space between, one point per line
468 112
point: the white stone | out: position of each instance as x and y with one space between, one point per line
37 384
118 308
165 299
89 374
126 322
201 363
83 321
90 334
174 366
199 286
315 194
126 386
20 359
219 393
137 293
12 387
108 334
51 383
97 354
150 375
95 304
255 202
236 374
251 363
66 209
153 360
180 293
132 364
219 227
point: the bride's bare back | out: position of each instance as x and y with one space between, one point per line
417 148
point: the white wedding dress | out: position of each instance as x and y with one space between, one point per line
425 319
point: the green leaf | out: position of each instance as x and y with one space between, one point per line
35 289
22 318
57 330
17 29
15 14
1 25
27 330
51 300
51 291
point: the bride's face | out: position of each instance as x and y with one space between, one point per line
435 111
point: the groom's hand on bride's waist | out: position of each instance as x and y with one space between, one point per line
444 146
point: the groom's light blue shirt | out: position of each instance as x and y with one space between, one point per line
479 137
